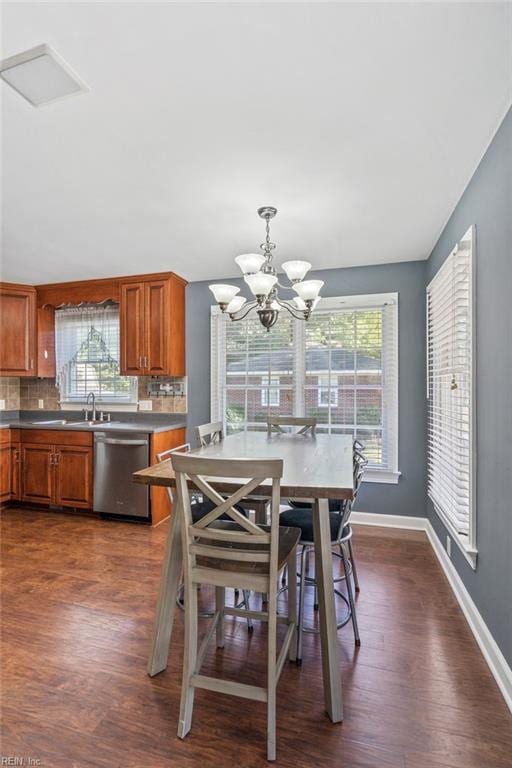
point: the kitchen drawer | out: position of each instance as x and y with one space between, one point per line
56 437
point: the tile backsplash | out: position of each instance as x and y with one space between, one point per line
33 390
167 395
10 392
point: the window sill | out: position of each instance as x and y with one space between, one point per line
383 476
469 553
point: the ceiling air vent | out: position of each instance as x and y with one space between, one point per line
41 76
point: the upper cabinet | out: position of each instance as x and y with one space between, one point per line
18 349
152 323
152 328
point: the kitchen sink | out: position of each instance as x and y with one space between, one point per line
70 423
50 422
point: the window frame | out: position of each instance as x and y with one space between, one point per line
332 402
466 544
268 391
385 475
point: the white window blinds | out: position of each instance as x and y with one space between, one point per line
87 355
449 359
341 367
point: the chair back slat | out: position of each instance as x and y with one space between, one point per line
224 506
230 553
213 542
306 424
209 434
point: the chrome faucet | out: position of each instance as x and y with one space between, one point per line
93 414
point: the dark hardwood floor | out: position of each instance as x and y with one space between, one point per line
78 596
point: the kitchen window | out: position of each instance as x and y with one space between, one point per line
341 366
87 355
450 393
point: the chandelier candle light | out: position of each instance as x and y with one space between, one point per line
260 275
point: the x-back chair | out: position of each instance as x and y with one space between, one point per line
200 508
233 553
306 424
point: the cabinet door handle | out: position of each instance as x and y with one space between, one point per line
31 363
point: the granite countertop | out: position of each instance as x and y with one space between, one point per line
120 422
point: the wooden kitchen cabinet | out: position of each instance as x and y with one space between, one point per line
152 326
18 328
56 467
37 474
5 465
9 465
16 458
73 476
46 342
132 323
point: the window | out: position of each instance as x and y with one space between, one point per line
270 395
450 394
341 367
87 352
327 396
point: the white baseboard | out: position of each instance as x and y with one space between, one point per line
490 650
389 521
496 662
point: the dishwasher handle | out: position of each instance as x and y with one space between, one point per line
114 441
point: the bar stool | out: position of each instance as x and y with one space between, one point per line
235 553
341 538
200 507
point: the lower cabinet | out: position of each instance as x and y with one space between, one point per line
37 474
59 472
73 476
5 465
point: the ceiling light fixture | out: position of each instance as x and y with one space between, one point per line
261 277
41 76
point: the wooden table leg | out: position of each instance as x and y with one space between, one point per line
328 633
166 605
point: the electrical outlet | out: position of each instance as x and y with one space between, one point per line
2 405
449 546
145 405
40 403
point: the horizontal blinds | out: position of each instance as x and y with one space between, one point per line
449 357
340 366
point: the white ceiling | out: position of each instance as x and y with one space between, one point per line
362 123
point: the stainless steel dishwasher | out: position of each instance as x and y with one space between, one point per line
116 456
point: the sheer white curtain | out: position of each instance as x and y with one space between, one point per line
87 354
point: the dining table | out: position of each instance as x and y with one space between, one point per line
316 468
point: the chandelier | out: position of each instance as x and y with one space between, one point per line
261 278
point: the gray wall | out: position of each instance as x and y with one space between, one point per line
408 497
487 203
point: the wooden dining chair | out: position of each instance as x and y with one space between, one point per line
307 424
208 434
233 553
